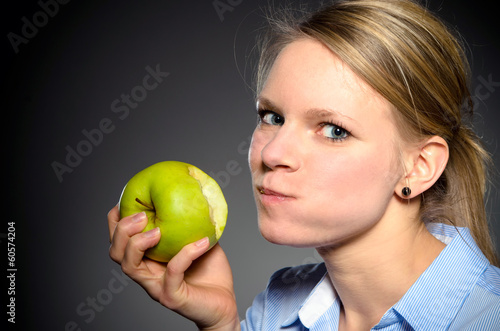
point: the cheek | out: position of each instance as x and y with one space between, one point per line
357 178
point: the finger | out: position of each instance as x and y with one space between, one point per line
113 219
124 230
216 262
136 247
178 265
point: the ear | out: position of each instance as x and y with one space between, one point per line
429 161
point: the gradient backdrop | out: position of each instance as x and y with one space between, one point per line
65 70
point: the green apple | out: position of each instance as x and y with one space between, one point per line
183 201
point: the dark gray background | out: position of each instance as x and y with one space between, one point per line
65 79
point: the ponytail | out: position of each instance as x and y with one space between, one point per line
465 180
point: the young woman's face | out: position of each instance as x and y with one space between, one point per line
323 157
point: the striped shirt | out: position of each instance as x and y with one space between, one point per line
460 290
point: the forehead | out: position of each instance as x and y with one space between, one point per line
306 74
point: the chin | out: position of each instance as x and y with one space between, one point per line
284 234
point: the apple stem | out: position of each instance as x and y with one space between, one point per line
144 204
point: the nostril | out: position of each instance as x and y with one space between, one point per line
279 155
275 147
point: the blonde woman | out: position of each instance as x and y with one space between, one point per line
361 151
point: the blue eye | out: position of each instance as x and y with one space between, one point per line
271 118
334 132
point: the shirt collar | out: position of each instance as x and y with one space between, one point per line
320 300
315 305
437 295
432 301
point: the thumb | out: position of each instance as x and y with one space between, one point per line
177 266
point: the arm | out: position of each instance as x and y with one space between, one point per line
196 284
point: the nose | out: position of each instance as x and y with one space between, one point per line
281 150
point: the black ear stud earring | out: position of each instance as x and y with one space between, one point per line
406 191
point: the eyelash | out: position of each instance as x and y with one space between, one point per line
262 113
345 133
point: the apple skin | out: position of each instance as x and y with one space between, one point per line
173 200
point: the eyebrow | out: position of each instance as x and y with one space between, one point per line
266 103
263 102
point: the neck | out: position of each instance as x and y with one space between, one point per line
374 270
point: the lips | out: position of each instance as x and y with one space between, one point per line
270 196
266 191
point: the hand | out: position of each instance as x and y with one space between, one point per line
196 285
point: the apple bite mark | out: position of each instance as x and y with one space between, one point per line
213 194
183 201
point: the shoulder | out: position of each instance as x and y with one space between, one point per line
490 281
481 309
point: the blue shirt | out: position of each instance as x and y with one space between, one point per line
460 290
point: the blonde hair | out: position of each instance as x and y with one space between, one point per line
411 58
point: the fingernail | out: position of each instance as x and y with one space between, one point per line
202 242
138 217
152 233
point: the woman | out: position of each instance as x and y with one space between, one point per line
361 151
